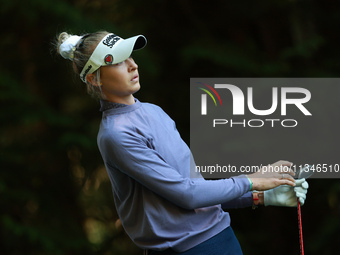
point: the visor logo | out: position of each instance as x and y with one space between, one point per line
111 40
86 72
108 59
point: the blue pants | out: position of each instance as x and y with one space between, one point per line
224 243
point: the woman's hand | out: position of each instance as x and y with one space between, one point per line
271 176
286 195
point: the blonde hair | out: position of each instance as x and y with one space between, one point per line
81 55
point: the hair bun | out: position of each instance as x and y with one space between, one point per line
67 44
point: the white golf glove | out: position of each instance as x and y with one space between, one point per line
286 195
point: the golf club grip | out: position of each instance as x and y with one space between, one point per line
302 252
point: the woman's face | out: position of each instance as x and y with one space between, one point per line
120 81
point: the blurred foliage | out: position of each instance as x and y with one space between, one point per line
55 196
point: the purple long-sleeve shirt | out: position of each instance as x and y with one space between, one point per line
159 203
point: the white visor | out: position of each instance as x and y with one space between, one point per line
112 49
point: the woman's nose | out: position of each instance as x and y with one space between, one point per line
132 64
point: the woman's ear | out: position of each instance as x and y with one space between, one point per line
91 78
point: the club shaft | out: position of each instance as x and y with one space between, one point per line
302 252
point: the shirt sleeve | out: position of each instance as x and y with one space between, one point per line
244 201
128 152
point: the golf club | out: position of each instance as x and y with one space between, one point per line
303 172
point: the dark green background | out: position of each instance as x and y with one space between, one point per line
55 197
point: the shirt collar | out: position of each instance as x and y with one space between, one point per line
106 105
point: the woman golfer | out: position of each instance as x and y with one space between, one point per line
162 209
